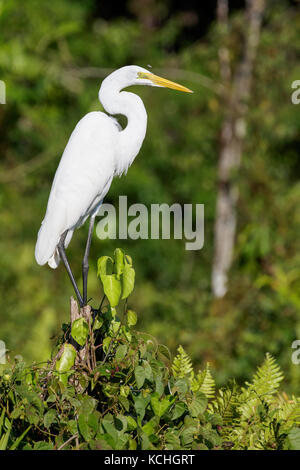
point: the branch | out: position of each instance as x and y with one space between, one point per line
67 442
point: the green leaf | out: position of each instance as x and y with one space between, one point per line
97 323
106 343
197 446
160 406
112 289
159 386
2 420
4 438
109 427
114 327
124 402
131 318
140 376
119 261
172 440
181 386
124 391
93 421
87 405
179 408
111 389
67 360
164 351
41 445
146 444
50 418
198 405
72 426
121 352
140 404
131 423
132 444
187 435
16 413
80 331
148 371
121 423
150 426
102 265
111 283
127 333
293 439
87 425
210 435
19 439
127 278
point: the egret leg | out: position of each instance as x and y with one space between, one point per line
85 261
62 254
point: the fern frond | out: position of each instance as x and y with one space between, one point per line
182 364
204 383
288 411
267 379
264 385
225 404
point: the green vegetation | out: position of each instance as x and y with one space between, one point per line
125 391
53 57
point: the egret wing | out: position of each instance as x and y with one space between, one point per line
82 179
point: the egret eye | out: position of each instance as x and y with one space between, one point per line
142 75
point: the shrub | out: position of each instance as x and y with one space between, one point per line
109 386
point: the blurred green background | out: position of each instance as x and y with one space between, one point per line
53 57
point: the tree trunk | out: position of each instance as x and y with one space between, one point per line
233 133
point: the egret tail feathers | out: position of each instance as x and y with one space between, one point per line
46 246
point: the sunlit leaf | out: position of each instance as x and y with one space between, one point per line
80 330
67 360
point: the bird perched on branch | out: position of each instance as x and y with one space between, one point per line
97 151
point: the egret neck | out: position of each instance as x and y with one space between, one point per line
130 105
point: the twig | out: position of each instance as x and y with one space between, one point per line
68 442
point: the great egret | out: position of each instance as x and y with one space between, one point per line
97 150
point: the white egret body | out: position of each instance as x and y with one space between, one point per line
97 150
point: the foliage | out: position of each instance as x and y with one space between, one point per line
134 396
53 57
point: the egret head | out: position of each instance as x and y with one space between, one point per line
144 77
135 75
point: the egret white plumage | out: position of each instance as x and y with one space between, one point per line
97 150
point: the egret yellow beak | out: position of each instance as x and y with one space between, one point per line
163 82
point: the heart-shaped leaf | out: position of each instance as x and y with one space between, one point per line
160 406
140 376
127 277
111 283
67 360
80 330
